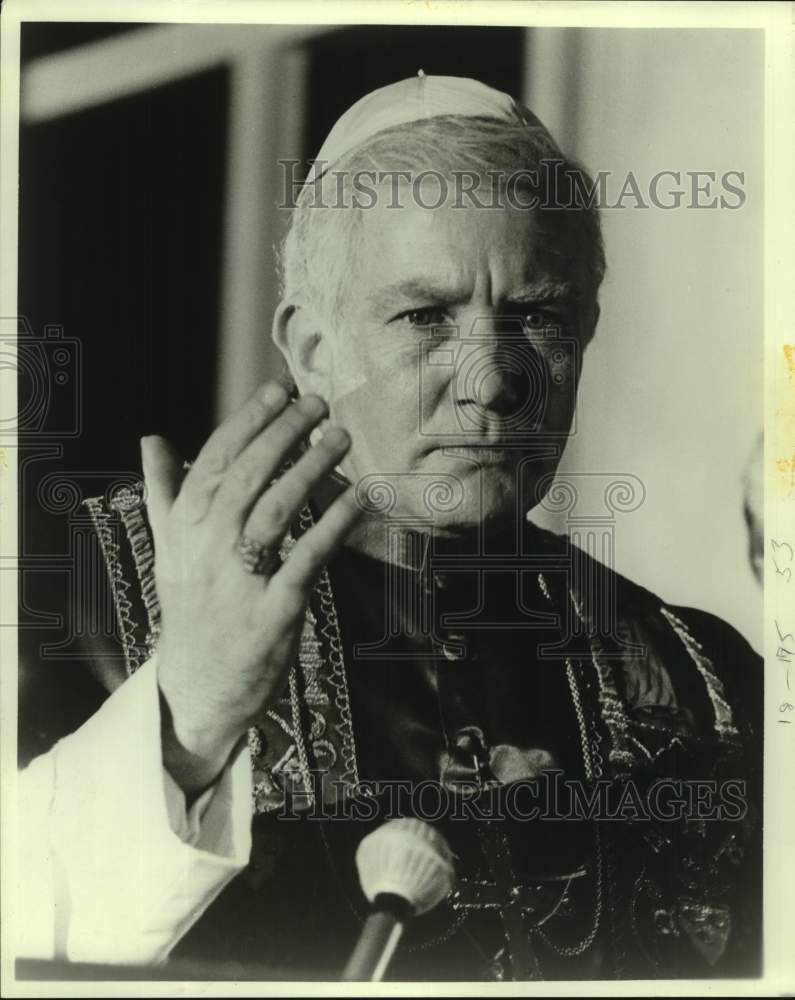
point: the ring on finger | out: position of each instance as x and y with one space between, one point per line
257 557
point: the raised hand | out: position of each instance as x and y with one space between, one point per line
230 631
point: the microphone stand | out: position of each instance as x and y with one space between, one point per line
379 939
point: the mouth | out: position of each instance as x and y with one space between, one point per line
482 454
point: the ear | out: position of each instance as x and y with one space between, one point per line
589 319
304 345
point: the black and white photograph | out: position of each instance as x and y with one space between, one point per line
398 467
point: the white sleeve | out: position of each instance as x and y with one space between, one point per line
111 868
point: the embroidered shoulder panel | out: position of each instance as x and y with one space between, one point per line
304 742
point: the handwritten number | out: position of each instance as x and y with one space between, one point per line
778 548
783 553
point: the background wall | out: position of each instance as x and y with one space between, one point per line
672 384
148 216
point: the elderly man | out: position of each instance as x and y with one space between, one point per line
320 635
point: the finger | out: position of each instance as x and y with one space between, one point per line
279 505
162 469
255 467
292 585
228 440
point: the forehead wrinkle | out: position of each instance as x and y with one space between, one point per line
429 267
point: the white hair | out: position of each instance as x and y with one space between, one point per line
313 261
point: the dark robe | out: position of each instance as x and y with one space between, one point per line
484 692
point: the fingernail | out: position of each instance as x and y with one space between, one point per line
336 437
312 406
273 393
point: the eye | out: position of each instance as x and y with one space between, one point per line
426 316
536 319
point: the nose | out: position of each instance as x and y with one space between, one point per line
492 374
502 387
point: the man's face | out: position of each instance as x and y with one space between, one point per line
456 359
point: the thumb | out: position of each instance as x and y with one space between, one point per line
162 469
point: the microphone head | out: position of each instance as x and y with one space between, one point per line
408 858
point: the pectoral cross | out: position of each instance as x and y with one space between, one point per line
514 901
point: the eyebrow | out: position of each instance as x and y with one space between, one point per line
422 291
419 290
547 290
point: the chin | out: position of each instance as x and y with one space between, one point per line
476 510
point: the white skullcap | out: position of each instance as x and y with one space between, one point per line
412 100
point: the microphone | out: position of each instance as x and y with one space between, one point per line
405 869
